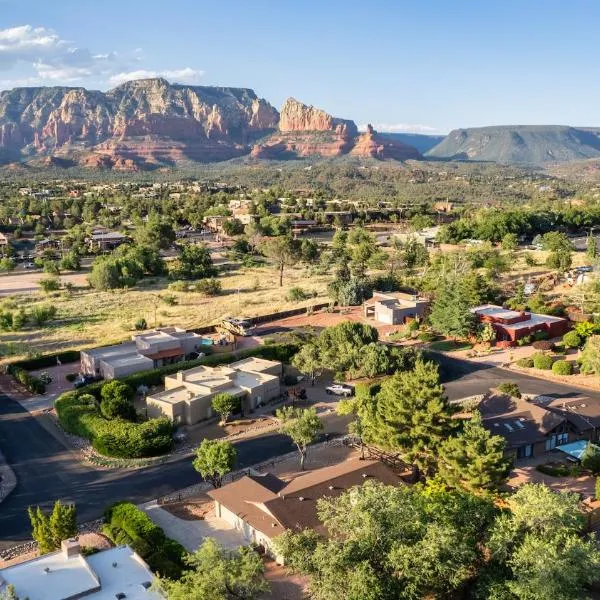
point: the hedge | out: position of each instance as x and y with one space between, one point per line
572 339
125 523
46 360
80 415
562 367
281 352
34 384
542 361
525 362
543 345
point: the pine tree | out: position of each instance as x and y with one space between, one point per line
40 529
591 247
474 459
412 415
450 313
63 522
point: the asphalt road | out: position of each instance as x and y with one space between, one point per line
47 470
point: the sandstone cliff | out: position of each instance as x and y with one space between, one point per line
139 121
371 145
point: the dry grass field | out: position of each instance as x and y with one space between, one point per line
88 318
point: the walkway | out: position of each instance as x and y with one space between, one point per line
191 534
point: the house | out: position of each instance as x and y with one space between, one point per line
105 240
187 398
262 507
68 574
534 427
148 350
395 308
512 325
3 241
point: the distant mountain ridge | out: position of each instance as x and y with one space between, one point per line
149 123
520 144
421 141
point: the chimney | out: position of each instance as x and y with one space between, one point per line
180 376
70 548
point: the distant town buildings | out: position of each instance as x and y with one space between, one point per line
148 350
188 394
67 574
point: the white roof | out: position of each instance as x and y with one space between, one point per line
492 310
255 364
56 577
129 359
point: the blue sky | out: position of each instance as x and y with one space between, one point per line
412 66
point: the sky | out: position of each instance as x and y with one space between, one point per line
423 67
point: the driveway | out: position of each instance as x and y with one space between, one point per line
191 534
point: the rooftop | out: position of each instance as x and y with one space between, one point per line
272 505
129 359
255 364
102 576
528 319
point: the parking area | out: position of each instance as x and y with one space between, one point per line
58 373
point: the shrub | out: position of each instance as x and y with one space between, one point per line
71 377
179 286
297 294
542 361
541 335
524 341
80 415
510 388
34 384
209 287
597 488
562 367
554 470
127 524
141 324
42 314
571 339
427 336
543 345
525 362
50 284
590 459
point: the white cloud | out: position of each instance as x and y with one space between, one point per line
186 75
401 128
39 56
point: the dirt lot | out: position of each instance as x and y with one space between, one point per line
28 282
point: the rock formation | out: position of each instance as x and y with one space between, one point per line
148 123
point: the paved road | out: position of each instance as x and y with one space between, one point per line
47 470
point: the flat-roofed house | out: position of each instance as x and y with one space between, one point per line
512 325
263 507
395 308
148 350
188 395
68 574
106 240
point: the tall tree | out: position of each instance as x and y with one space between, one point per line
284 250
412 415
50 530
591 247
474 459
214 459
216 573
450 313
302 426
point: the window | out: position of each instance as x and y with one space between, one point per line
562 438
525 451
551 443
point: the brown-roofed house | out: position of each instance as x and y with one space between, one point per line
264 506
533 427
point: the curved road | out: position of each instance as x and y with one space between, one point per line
47 470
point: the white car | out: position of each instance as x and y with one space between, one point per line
339 389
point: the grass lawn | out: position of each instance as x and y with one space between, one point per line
449 346
88 318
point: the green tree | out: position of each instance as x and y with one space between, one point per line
302 426
50 530
412 415
284 250
589 360
104 274
117 401
450 314
390 543
155 233
194 262
216 573
510 241
308 360
225 405
214 459
474 459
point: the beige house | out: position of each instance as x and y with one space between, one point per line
148 350
262 507
395 308
188 395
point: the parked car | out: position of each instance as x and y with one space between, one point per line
30 265
340 389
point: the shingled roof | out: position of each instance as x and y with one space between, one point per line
271 505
